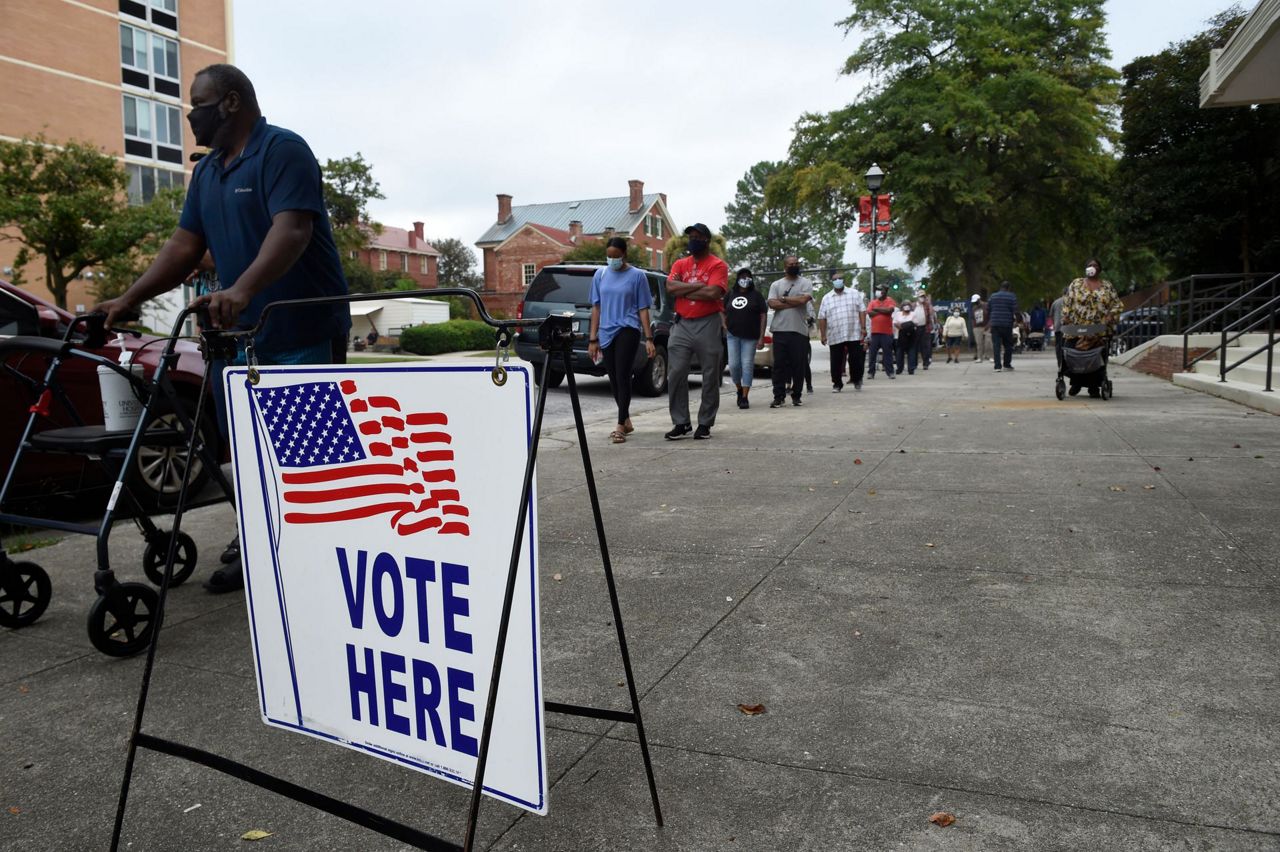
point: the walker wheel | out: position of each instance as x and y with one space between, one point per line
1106 389
153 559
25 592
122 619
1060 389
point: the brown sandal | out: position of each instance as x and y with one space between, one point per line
617 437
627 428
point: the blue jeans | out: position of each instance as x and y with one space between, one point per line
882 345
742 359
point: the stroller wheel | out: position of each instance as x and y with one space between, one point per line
121 621
1106 389
1060 389
25 592
153 559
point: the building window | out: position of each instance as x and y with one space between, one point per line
650 258
657 226
423 261
164 56
137 118
146 181
382 261
170 6
352 254
133 48
529 271
404 263
660 261
146 121
168 125
647 220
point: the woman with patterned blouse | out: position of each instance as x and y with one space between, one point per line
1091 301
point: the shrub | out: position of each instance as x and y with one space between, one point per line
451 336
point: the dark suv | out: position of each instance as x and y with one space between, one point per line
567 287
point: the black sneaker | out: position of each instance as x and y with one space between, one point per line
1008 366
231 552
1075 391
997 368
857 386
702 433
777 403
893 375
1095 393
678 432
229 578
795 400
837 388
871 375
742 401
809 388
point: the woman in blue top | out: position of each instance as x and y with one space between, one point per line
620 303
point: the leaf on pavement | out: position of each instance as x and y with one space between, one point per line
15 810
942 819
23 688
557 577
1148 488
751 709
255 834
857 461
1117 487
929 544
872 492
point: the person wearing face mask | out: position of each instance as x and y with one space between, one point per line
788 296
880 311
1090 300
699 283
744 319
256 203
840 329
620 302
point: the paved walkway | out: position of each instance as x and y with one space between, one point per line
1055 620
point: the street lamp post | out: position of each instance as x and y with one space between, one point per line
875 179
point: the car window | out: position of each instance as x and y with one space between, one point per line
17 317
569 287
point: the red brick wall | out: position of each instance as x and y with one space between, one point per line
1164 361
431 278
528 246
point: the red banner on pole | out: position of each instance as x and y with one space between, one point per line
883 214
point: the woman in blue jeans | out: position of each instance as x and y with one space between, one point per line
744 318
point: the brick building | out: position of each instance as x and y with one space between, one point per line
406 253
524 239
114 74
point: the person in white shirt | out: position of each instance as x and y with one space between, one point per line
954 332
905 345
840 328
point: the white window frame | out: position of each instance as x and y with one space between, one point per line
163 6
647 225
170 110
137 33
657 226
660 261
650 258
382 261
175 177
176 77
404 262
142 106
528 272
422 262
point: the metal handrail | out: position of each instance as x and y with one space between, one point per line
1264 313
1176 304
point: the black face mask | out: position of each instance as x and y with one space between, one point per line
793 271
206 121
697 245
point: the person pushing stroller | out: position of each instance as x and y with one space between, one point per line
1089 301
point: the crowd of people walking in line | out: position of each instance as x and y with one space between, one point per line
862 338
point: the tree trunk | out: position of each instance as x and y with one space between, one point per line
972 273
56 284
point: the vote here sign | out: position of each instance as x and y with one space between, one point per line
377 509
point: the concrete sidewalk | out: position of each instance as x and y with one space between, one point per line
1056 620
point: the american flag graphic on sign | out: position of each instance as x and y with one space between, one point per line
342 456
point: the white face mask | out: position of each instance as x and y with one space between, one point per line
1090 271
838 284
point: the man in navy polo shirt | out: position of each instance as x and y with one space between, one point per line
256 204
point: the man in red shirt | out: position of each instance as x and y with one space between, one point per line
881 313
699 283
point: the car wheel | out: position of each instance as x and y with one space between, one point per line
158 468
652 379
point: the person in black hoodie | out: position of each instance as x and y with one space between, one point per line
744 318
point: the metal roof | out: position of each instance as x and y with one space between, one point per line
595 214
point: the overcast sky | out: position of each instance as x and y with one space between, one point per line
555 100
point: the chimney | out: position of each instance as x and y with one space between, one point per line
608 233
504 208
417 230
575 230
637 195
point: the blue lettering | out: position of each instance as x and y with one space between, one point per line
421 571
427 703
354 593
459 710
362 682
454 606
393 692
385 567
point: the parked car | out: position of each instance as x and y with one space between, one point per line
763 362
567 287
157 474
1138 326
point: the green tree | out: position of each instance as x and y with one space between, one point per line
761 234
67 203
349 186
117 273
592 251
1198 188
989 120
457 264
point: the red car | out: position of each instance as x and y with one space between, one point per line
158 470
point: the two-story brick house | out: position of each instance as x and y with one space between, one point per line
406 253
524 239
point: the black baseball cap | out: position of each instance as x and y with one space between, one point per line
699 228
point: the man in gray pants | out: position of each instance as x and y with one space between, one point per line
699 283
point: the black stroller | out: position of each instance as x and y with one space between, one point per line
1083 368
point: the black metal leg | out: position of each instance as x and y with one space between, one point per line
486 732
158 620
613 590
